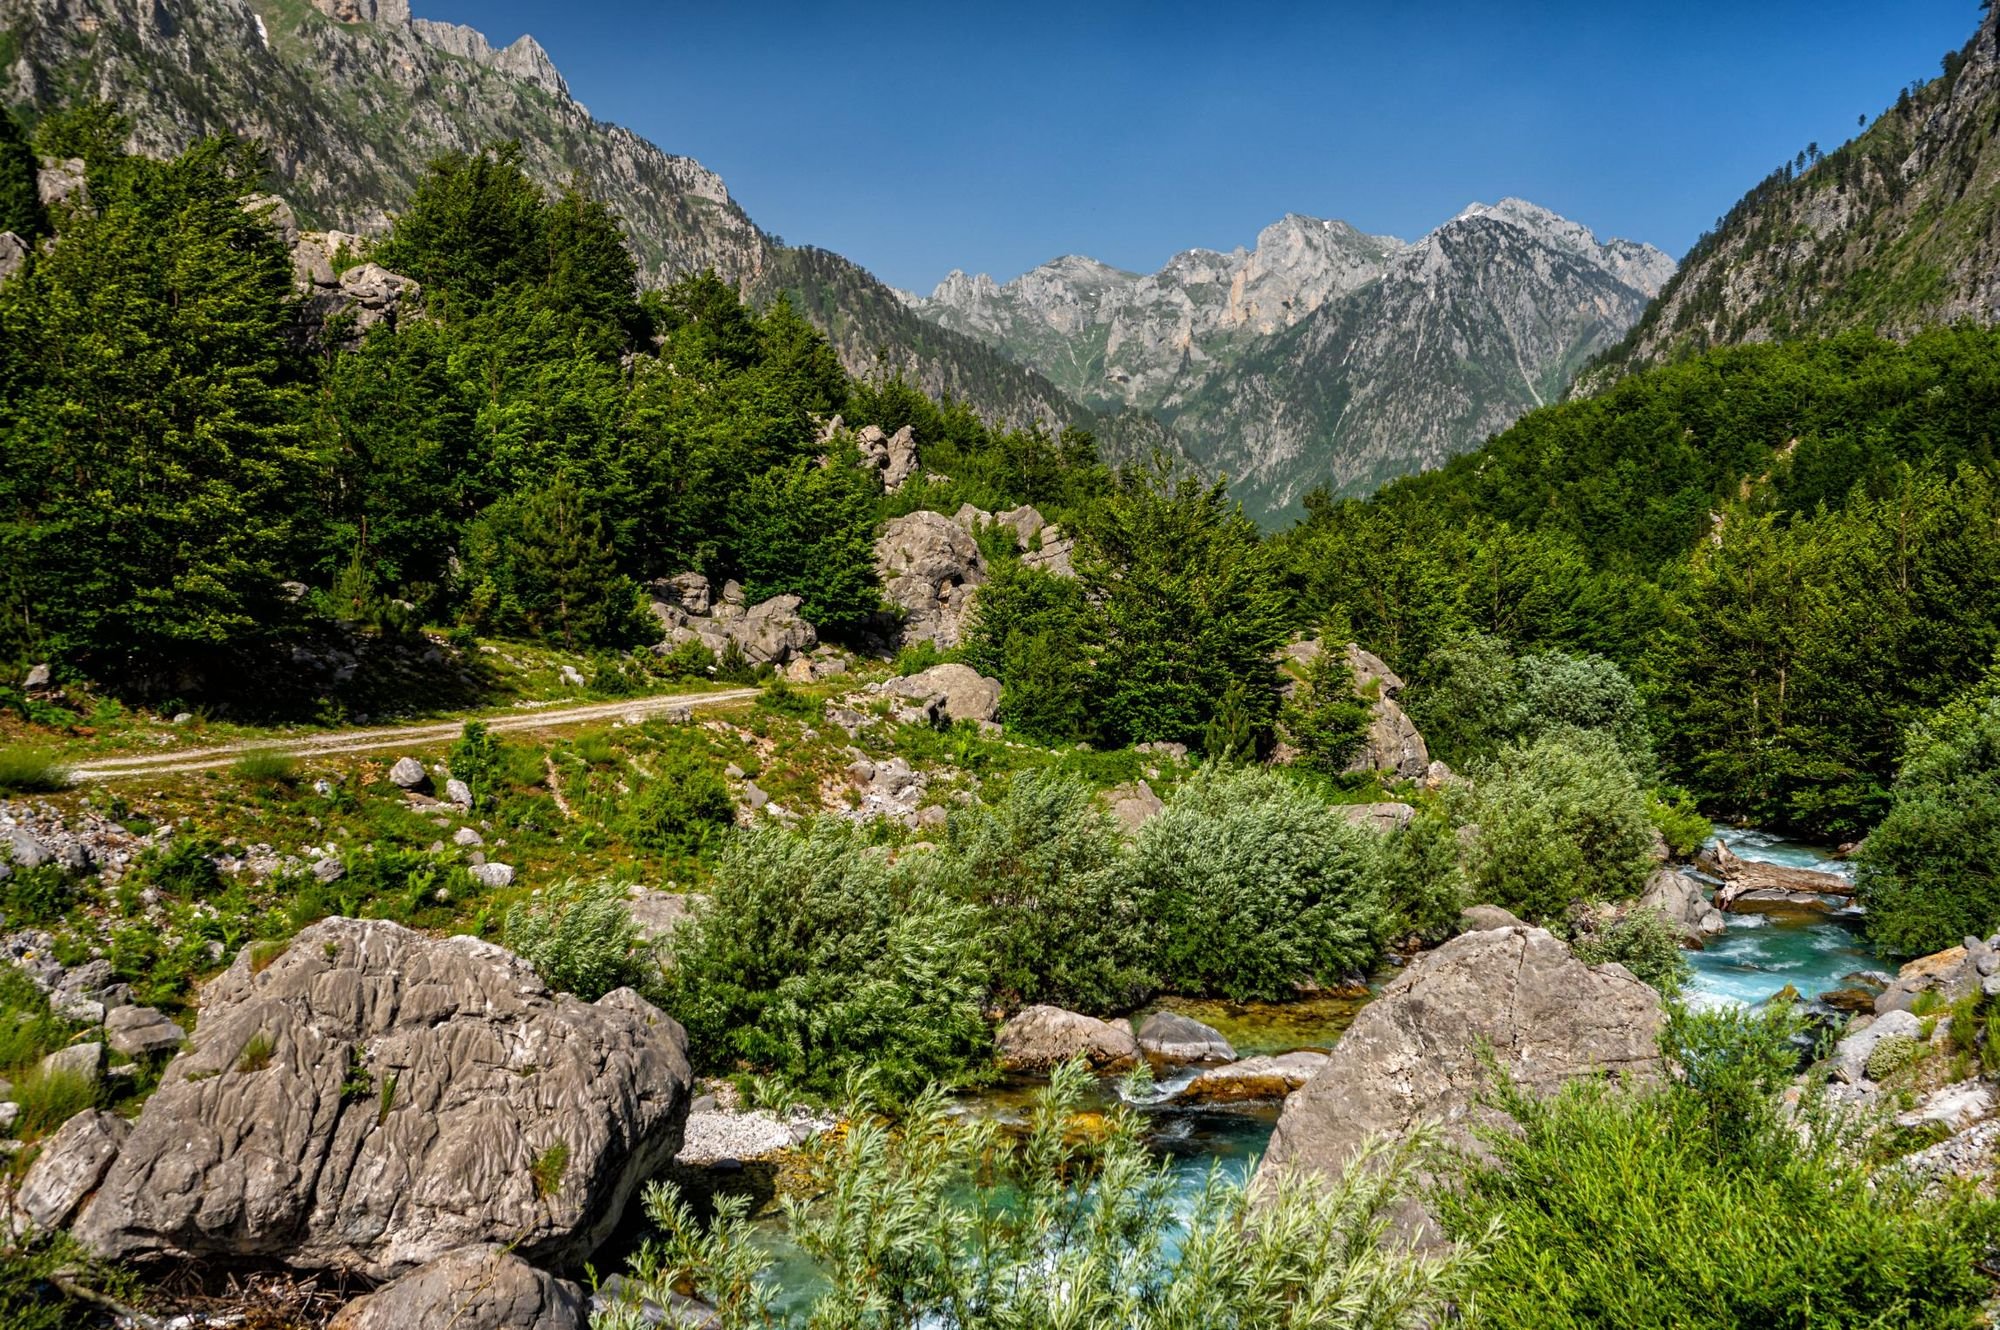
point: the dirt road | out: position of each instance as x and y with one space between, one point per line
329 742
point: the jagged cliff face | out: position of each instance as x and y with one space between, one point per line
354 97
1115 338
1896 230
1325 356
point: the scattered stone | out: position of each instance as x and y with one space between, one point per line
409 774
71 1165
25 851
458 792
483 1287
658 915
492 876
754 795
572 676
329 869
516 1116
1173 1037
467 836
616 1295
1850 1055
38 677
13 255
1042 1037
1956 1107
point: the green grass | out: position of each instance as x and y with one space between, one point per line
547 1169
50 1098
32 771
266 766
256 1054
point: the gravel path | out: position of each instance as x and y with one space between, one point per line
396 736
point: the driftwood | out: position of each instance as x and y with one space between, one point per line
1739 876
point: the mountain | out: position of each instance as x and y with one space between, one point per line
1896 230
1325 355
354 97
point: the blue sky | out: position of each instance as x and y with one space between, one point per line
917 138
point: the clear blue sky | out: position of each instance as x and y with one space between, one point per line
917 138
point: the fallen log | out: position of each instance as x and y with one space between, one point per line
1739 876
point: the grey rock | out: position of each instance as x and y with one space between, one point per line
492 876
1381 818
38 677
62 181
1041 1037
71 1165
458 792
967 694
1850 1055
930 569
482 1287
409 774
658 915
142 1032
1479 918
329 869
1134 805
13 255
1175 1038
1415 1054
467 836
754 795
86 1060
279 1159
25 851
1254 1079
10 1113
1677 898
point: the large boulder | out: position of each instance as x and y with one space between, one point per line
1254 1079
485 1287
1172 1037
13 254
373 1099
1041 1037
1677 898
963 693
894 455
770 632
930 568
1134 805
1416 1054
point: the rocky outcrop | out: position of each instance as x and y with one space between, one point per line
1040 1038
1172 1037
1381 818
13 255
1480 918
957 692
894 455
374 1099
1972 966
930 568
1415 1054
485 1287
1134 805
770 632
1677 898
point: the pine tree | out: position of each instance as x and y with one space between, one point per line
20 204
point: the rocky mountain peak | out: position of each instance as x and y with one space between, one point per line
1635 264
523 58
365 11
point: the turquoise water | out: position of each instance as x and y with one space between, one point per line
1814 951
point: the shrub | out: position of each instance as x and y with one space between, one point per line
779 696
28 1028
1929 874
1892 1054
1700 1204
948 1221
1680 823
1473 698
40 895
32 771
1560 820
680 809
183 868
476 759
813 954
1423 874
1042 867
688 660
919 656
1253 885
581 940
1644 943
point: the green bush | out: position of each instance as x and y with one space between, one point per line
28 1028
680 809
266 766
936 1218
1700 1204
1423 873
1894 1053
814 954
1252 885
1680 823
1472 698
37 896
1644 943
1929 874
1560 820
1043 869
183 868
581 939
50 1098
32 771
475 758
